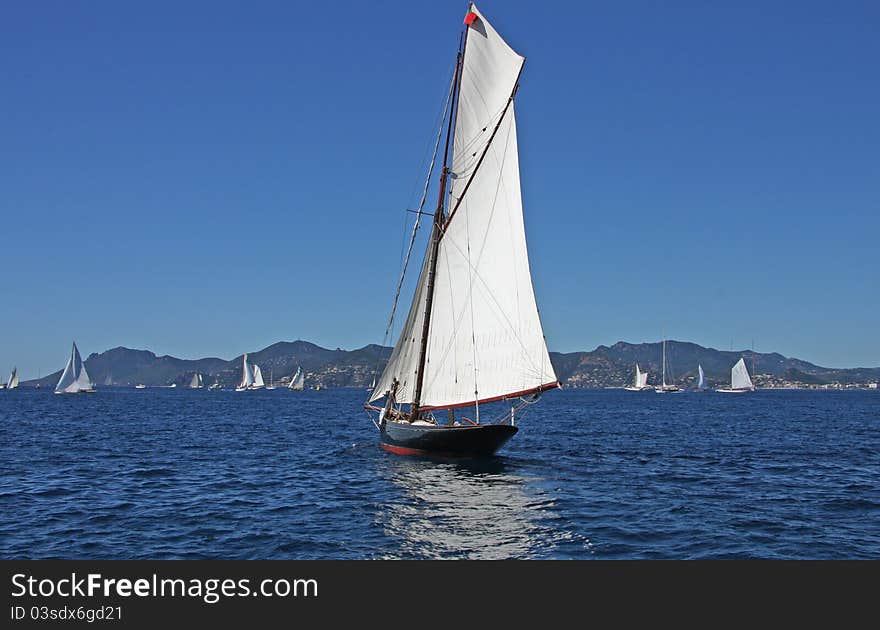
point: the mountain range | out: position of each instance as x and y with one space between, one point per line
606 366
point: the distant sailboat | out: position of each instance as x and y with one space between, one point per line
473 335
640 381
251 376
664 386
298 381
701 381
13 379
75 379
740 381
258 378
140 386
215 386
271 384
247 376
196 382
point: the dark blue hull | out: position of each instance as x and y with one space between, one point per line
458 441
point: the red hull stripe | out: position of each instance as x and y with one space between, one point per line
402 450
525 392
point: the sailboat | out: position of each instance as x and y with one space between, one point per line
701 379
196 382
13 379
271 384
640 381
140 386
75 379
473 334
740 381
664 386
258 378
298 380
251 376
247 376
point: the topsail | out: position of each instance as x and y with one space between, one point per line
484 339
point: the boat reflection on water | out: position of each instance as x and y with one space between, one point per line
468 509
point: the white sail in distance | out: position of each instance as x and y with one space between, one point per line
13 379
247 376
196 381
297 382
739 376
75 378
485 340
701 382
258 377
641 377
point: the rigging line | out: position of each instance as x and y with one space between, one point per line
417 222
419 213
437 122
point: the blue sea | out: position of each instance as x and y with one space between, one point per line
165 473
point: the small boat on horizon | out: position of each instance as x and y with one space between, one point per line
740 381
298 380
702 384
640 381
665 388
251 376
140 386
12 383
75 379
271 384
196 382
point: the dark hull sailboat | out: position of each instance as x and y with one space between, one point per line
473 335
463 441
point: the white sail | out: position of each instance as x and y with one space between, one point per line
75 378
247 376
297 382
13 379
739 376
641 377
258 377
196 381
701 383
485 340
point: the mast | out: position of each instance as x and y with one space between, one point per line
436 232
664 363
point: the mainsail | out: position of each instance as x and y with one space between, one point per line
297 382
701 383
75 378
484 338
13 379
196 381
739 376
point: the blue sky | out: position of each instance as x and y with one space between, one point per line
203 179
